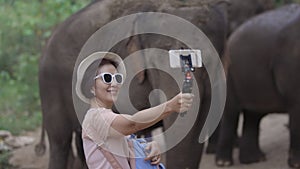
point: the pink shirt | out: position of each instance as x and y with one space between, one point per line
97 131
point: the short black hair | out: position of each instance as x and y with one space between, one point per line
105 61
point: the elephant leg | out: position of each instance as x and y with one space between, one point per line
187 153
212 142
250 151
81 162
294 152
56 120
228 128
60 146
71 159
227 139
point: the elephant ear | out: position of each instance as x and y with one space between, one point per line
137 62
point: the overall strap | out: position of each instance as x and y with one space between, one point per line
131 155
111 158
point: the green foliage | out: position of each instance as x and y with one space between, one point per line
24 29
283 2
19 96
25 25
4 160
296 1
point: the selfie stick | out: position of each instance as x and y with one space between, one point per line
187 60
187 69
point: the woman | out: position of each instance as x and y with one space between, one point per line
102 129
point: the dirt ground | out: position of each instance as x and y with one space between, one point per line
274 142
25 158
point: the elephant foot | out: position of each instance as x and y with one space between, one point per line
224 162
248 157
211 148
224 159
294 159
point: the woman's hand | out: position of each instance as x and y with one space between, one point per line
154 152
181 102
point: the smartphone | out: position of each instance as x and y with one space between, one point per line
177 56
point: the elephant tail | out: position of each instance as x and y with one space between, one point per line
40 148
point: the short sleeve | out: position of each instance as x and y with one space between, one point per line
97 123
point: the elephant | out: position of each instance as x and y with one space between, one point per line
240 11
262 60
189 148
57 63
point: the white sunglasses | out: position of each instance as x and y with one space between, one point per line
107 77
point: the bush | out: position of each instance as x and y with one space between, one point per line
24 29
4 156
19 102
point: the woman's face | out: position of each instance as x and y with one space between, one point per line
106 94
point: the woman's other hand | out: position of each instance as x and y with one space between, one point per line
154 152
